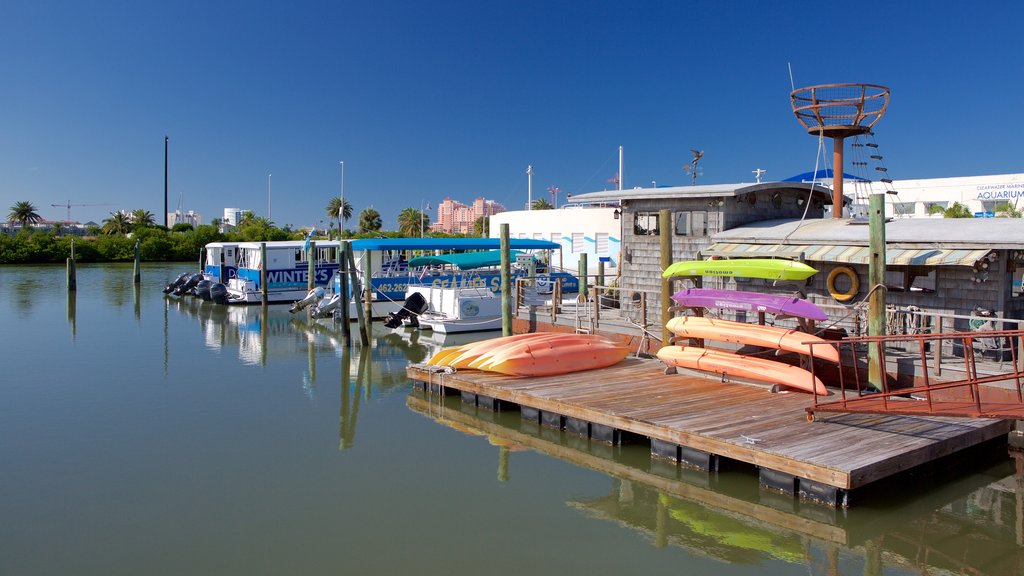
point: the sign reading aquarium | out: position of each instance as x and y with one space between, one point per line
1009 191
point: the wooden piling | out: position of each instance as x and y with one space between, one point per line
72 275
876 287
665 228
506 282
311 266
263 273
363 322
137 270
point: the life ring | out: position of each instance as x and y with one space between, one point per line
854 283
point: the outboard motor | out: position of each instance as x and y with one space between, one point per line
326 306
176 282
189 284
414 305
219 293
202 289
312 297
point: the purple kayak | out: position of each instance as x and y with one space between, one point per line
749 302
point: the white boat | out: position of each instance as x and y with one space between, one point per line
459 309
287 271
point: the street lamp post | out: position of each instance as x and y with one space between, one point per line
422 217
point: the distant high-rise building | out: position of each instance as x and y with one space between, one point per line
231 217
454 217
178 217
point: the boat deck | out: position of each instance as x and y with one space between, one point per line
703 421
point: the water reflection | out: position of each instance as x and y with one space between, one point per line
973 524
72 311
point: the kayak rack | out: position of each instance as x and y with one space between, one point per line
907 387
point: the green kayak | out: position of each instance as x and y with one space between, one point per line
770 269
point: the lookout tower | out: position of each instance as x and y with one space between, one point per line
839 111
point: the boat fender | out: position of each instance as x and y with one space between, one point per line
854 283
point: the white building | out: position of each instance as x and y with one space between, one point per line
982 195
178 217
579 229
231 217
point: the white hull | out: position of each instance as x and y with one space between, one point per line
448 326
453 310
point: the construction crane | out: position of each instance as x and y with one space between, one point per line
68 205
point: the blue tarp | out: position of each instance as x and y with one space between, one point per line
825 173
450 244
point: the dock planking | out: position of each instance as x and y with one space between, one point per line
738 421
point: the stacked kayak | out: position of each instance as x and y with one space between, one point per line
787 339
749 302
534 354
730 364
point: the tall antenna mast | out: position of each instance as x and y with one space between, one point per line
529 187
621 175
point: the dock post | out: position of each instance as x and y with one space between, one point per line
345 291
310 266
582 273
363 323
665 228
72 280
506 287
137 269
263 273
876 289
367 288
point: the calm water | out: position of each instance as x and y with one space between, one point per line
141 435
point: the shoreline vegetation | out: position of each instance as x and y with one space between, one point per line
115 241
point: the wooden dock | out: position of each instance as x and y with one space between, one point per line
704 423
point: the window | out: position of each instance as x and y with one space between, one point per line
646 224
910 279
601 243
692 223
578 244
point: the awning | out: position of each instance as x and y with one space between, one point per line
464 260
848 254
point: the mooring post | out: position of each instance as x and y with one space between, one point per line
263 273
363 322
72 281
600 277
582 273
137 270
346 298
310 266
368 288
876 287
665 230
506 283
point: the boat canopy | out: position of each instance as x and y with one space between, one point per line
450 244
463 260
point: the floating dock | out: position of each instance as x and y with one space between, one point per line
704 423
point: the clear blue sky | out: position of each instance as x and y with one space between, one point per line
427 100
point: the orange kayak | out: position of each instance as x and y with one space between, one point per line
731 364
563 358
481 351
788 339
553 340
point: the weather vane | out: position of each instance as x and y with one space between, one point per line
692 166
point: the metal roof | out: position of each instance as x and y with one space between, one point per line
848 254
703 191
910 233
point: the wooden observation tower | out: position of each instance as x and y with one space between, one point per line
838 111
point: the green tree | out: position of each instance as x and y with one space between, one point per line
412 222
1007 210
481 227
369 221
334 210
118 223
24 213
957 210
541 204
142 217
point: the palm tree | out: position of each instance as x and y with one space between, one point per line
412 222
957 210
1007 210
142 217
118 223
245 218
369 221
334 210
541 204
24 213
